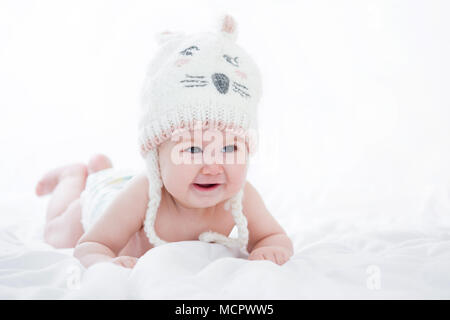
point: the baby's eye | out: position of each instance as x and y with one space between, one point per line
188 51
230 148
234 61
193 150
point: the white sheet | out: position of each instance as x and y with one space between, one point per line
362 259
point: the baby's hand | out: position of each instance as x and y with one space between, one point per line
125 261
276 254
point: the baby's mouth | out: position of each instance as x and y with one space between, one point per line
206 187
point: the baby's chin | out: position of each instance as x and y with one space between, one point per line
204 196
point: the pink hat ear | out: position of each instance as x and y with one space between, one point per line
228 27
166 36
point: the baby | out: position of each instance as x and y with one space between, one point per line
196 131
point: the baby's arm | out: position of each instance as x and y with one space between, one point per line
122 219
267 239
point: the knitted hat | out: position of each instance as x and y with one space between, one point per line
203 78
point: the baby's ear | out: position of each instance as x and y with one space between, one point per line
166 36
228 26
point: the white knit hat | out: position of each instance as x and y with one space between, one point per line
203 78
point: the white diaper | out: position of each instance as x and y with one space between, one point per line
101 188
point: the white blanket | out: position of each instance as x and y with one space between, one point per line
333 259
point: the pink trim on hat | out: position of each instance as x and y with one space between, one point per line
152 143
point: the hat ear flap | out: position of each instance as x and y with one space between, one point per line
165 36
228 27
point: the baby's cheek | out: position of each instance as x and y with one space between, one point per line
181 175
237 176
175 184
180 62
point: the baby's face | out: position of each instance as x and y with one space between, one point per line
201 168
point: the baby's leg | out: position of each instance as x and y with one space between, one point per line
63 226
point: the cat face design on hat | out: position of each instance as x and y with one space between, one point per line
228 77
201 78
206 63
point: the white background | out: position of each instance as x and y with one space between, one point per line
354 119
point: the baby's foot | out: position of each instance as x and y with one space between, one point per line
98 162
50 180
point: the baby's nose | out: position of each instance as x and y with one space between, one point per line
212 169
